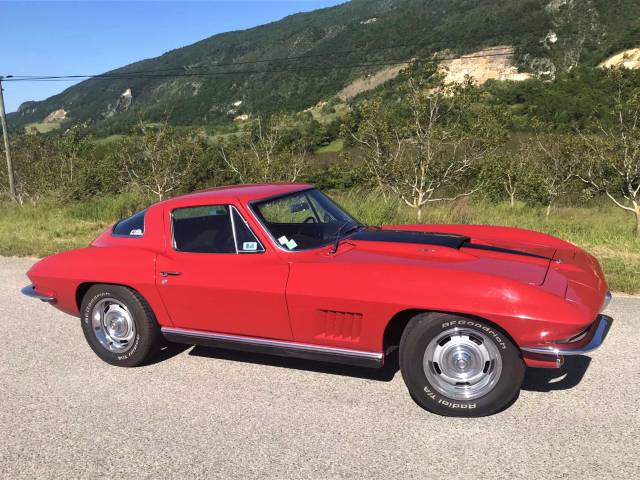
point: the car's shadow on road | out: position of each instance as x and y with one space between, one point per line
563 378
535 380
168 351
384 374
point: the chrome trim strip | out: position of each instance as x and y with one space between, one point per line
30 291
233 229
600 331
264 342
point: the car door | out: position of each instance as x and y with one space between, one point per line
216 275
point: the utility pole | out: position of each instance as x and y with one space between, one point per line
5 135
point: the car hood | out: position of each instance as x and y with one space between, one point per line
516 260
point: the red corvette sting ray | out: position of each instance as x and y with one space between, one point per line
282 269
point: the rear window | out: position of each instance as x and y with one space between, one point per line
130 227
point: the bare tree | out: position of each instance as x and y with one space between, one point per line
424 152
160 161
610 157
265 154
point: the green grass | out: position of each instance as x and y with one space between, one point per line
334 147
108 140
605 231
47 227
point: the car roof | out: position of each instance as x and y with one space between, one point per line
244 193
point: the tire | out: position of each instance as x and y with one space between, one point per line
119 325
439 352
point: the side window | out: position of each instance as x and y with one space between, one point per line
204 229
130 227
212 229
246 241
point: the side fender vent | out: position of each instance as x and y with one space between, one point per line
338 326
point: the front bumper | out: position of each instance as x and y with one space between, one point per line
591 341
30 291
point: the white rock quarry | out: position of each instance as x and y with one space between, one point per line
495 63
626 59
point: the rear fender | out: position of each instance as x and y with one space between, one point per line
62 275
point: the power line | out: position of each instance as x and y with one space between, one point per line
250 62
131 75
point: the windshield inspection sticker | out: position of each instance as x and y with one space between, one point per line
250 246
290 244
136 232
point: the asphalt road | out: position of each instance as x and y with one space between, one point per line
203 413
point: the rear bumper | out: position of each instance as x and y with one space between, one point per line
30 291
591 341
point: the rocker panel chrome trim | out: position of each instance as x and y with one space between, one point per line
274 347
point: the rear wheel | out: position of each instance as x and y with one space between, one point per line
456 366
119 325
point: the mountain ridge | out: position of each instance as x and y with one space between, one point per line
547 36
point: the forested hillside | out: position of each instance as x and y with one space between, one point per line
316 54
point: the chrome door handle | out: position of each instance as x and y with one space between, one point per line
170 274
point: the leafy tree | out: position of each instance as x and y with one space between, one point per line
161 160
423 149
37 167
270 152
555 167
509 175
611 154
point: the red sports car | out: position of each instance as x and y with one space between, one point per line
282 269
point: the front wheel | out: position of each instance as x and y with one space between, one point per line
460 367
119 325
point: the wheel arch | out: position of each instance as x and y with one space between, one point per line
84 287
398 323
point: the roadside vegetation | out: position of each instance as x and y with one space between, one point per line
416 150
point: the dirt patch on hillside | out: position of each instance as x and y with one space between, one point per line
370 82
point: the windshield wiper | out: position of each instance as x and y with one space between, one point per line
342 231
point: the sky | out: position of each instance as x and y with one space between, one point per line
90 37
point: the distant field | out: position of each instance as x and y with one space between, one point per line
334 147
42 127
604 231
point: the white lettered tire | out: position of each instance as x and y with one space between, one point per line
459 366
119 325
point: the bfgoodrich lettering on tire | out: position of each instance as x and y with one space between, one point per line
119 325
459 366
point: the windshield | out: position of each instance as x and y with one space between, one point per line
302 220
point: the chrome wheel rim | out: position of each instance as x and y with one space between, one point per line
462 364
113 325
